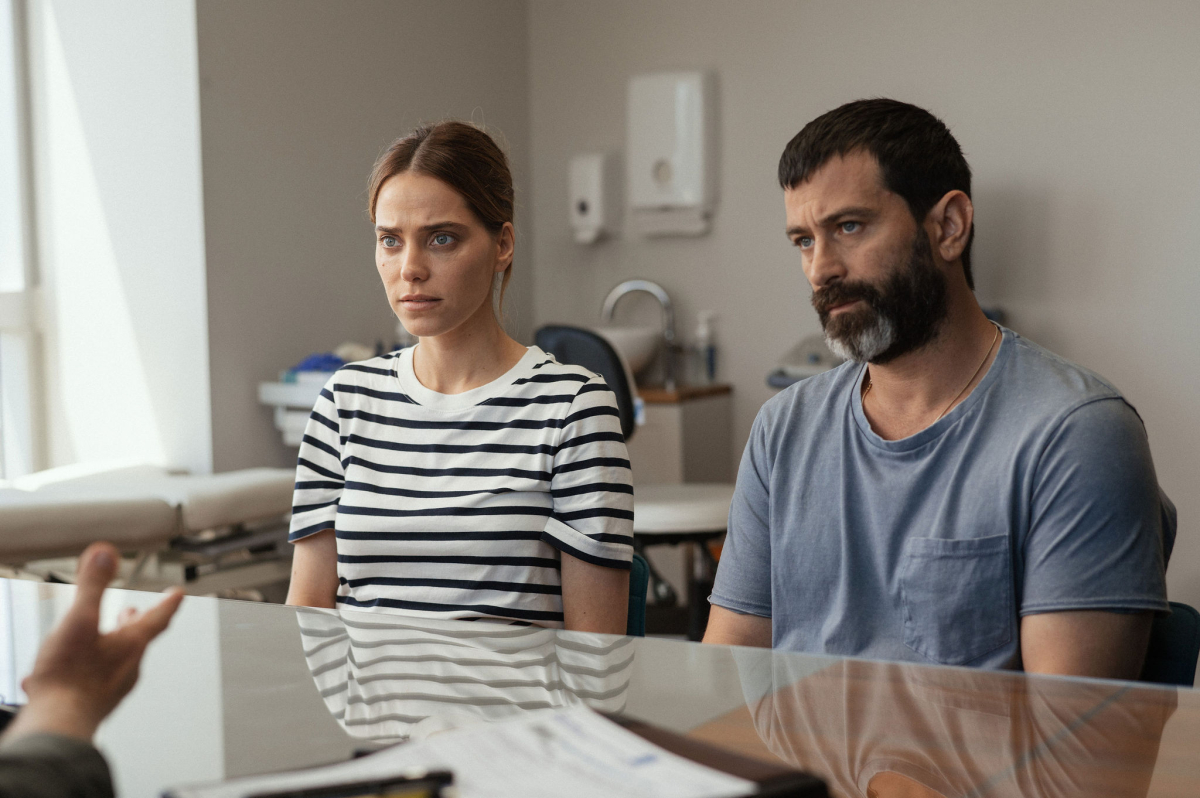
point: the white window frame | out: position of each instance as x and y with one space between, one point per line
22 427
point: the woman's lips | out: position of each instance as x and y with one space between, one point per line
418 303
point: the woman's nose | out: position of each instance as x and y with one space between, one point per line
412 267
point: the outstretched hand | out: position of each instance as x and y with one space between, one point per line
81 675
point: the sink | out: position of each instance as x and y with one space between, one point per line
638 345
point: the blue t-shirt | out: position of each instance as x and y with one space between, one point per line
1036 494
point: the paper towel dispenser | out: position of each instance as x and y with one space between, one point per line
671 170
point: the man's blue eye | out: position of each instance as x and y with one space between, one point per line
804 242
442 239
389 241
849 227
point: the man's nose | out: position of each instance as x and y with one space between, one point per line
824 265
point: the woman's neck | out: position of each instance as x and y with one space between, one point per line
473 354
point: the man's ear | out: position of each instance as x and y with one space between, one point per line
949 225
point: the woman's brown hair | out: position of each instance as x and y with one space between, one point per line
463 157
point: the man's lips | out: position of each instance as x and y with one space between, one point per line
844 306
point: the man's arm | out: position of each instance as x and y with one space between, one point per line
1108 645
729 628
80 676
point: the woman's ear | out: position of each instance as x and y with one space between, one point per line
950 225
505 247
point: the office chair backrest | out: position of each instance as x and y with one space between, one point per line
1174 647
639 580
576 346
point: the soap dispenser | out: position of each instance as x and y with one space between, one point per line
705 349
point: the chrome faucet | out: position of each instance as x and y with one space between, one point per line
658 292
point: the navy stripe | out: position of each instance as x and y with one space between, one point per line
579 554
591 462
367 487
461 559
309 530
325 472
325 394
507 534
463 584
448 448
479 426
595 512
549 378
428 606
319 485
594 437
508 401
592 412
320 419
391 396
323 446
368 370
304 508
448 472
592 387
609 537
594 487
447 511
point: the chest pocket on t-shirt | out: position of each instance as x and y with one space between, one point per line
957 597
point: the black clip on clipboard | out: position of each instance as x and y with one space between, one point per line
431 784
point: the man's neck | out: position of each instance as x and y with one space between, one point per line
910 393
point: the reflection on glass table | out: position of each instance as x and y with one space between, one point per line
387 678
237 688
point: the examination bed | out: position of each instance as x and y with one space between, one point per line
208 533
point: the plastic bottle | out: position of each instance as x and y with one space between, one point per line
706 350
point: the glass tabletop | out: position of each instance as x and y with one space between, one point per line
237 688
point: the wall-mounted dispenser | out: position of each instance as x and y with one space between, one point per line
590 192
671 169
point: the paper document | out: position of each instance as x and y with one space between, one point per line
574 752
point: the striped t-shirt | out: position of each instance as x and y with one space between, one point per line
458 505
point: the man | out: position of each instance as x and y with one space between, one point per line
954 493
79 677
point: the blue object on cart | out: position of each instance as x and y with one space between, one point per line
321 361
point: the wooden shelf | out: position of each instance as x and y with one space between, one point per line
657 395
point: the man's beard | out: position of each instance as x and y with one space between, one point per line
902 314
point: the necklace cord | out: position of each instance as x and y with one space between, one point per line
958 395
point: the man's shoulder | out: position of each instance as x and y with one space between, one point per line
812 392
1048 385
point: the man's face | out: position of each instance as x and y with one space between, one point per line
876 288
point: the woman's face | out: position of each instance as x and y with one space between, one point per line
436 259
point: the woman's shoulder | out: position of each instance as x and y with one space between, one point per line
547 375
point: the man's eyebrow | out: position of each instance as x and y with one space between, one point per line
833 218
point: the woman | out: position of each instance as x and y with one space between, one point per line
468 476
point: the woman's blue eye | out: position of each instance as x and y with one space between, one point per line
389 241
442 239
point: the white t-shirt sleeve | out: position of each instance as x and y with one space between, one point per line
319 474
591 487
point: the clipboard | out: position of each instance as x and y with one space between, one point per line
774 780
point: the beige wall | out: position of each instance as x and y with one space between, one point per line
1080 120
298 97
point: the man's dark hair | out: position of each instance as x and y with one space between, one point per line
918 157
